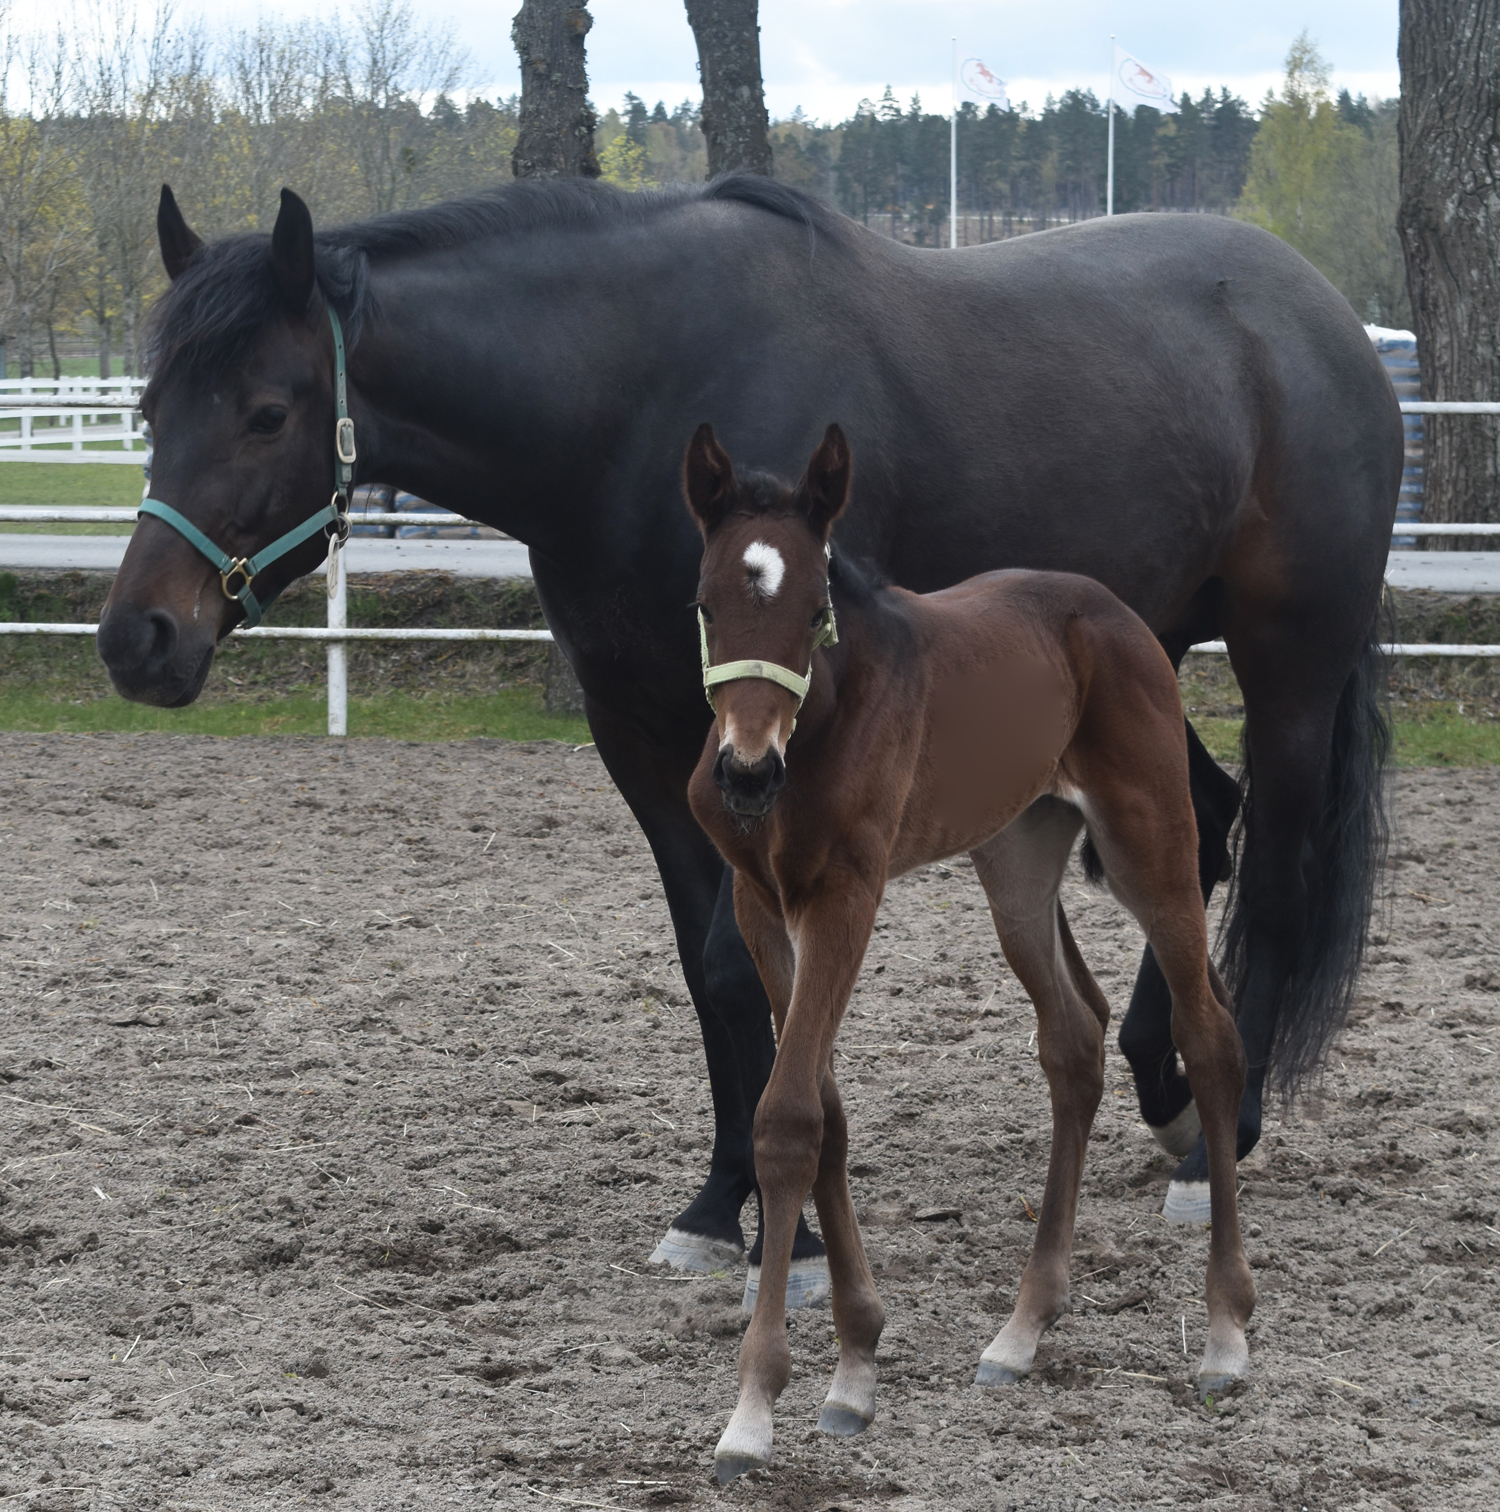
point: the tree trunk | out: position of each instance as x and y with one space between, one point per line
1450 234
52 350
104 349
734 103
557 124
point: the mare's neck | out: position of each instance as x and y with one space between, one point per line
497 379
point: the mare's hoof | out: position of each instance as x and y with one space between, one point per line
1216 1385
696 1252
841 1421
1178 1137
728 1466
1187 1202
994 1374
807 1284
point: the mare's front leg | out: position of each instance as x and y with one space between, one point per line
731 1008
831 930
1021 870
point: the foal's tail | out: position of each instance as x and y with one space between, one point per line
1346 849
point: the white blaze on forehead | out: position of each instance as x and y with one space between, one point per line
766 568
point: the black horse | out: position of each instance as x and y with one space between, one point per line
1180 407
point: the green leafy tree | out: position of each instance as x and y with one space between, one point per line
1324 177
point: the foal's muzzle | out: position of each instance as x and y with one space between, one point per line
749 788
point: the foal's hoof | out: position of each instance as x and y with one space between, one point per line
1179 1136
1187 1202
696 1252
1216 1385
991 1373
807 1284
841 1421
728 1466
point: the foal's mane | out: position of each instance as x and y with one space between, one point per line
226 294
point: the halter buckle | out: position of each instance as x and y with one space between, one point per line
343 441
239 567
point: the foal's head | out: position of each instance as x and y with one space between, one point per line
763 602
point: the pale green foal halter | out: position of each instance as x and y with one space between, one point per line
827 634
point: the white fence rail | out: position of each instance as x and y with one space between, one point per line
338 635
83 432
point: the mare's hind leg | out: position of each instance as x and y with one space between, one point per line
1021 870
1312 832
1145 840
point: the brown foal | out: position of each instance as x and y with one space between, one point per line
998 718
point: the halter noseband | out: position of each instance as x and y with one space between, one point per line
333 518
827 634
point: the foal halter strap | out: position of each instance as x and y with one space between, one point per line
827 634
236 574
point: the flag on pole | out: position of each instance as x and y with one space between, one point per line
984 85
1135 84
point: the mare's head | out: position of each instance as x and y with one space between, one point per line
763 599
241 408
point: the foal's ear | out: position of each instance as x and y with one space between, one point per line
292 253
707 479
824 489
178 242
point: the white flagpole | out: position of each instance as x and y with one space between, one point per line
953 158
1109 193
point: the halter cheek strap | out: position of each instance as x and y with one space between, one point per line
741 671
236 574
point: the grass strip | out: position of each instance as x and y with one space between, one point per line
1430 737
510 714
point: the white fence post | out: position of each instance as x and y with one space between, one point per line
338 654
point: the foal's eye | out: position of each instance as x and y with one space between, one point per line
817 619
704 610
267 421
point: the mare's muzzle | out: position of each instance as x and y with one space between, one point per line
150 659
749 788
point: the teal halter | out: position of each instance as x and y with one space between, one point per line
333 518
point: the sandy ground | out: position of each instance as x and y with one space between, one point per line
345 1090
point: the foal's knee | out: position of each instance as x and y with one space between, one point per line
788 1143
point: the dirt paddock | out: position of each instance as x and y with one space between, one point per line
345 1090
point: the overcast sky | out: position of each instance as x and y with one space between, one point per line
826 55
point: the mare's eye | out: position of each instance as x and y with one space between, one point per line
703 609
269 420
817 619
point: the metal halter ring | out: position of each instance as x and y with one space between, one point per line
338 528
241 567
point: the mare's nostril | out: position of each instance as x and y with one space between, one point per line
161 636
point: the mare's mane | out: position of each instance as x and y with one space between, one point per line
226 293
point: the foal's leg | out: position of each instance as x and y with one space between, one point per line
831 931
1021 870
1166 1100
858 1316
1145 839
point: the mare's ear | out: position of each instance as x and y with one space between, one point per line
292 253
707 479
178 241
824 489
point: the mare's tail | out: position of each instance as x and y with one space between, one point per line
1346 848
